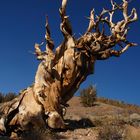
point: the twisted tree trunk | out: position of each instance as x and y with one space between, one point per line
61 72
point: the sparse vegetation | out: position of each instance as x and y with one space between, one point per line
7 97
88 96
130 107
111 132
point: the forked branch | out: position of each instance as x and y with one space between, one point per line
102 43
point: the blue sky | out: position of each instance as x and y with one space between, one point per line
22 24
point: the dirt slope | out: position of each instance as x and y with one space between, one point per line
102 121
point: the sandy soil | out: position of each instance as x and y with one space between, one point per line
84 123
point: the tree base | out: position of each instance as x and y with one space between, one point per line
25 113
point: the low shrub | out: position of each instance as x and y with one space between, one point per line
88 96
7 97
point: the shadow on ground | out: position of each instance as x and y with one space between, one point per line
44 135
77 124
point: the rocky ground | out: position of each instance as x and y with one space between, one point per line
100 122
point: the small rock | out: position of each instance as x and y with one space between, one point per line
13 136
135 116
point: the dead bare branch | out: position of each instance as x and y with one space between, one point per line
92 21
48 36
65 26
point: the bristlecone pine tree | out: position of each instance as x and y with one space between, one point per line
61 71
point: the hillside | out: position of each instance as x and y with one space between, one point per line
102 121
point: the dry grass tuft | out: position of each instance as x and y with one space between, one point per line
111 132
